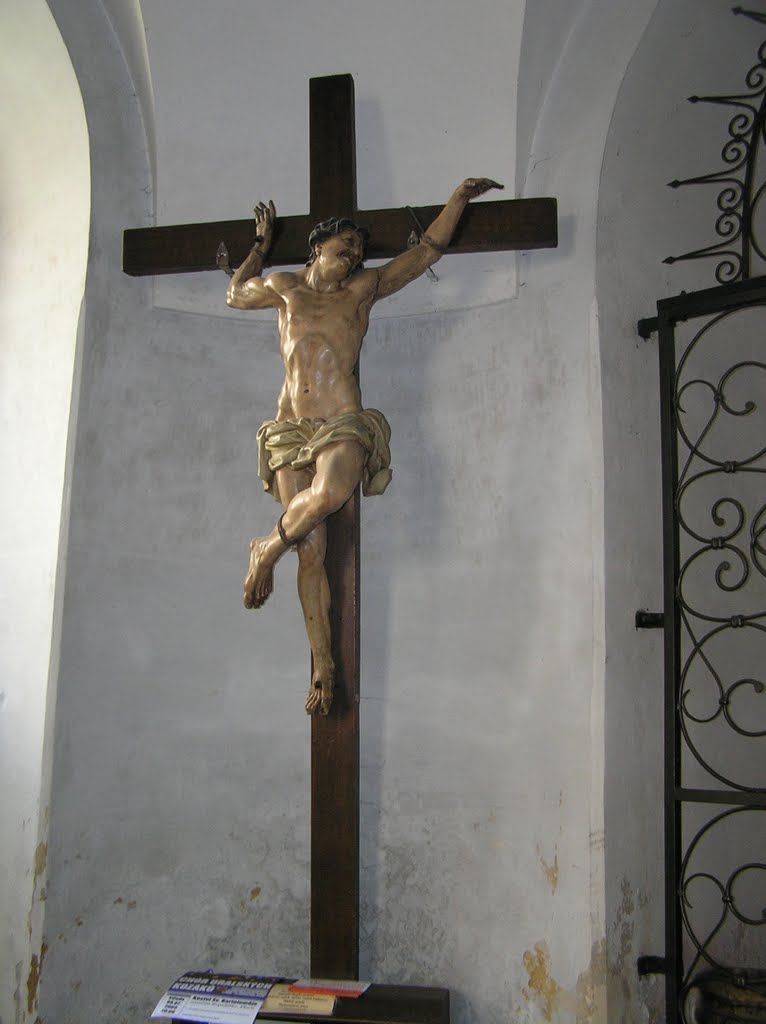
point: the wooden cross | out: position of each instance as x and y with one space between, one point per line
484 227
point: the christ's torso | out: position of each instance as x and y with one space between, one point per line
321 334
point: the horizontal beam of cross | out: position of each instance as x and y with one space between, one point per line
484 227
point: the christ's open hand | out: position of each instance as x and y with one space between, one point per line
264 225
473 187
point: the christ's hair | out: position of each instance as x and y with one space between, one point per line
335 226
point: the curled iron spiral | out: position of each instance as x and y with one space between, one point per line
740 195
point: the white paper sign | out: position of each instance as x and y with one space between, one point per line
214 998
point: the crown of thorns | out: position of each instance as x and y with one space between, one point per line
335 226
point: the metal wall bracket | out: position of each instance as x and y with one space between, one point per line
222 260
652 965
650 620
647 327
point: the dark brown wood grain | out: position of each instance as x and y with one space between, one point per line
495 226
332 147
335 768
335 737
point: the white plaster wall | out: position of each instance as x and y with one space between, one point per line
127 21
548 25
44 180
558 293
180 817
434 87
691 47
181 831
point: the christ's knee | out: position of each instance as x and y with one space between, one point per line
328 498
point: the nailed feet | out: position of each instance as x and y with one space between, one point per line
320 695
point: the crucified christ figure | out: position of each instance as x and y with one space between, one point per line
322 443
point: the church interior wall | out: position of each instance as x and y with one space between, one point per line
44 178
127 21
179 833
563 304
548 25
420 129
693 48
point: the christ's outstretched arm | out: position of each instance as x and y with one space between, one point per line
247 289
411 264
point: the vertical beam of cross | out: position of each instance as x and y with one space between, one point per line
335 738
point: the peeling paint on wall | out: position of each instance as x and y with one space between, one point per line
41 859
255 892
626 936
587 998
38 870
538 967
39 865
550 869
590 991
624 927
17 991
33 978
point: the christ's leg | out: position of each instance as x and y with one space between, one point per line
314 592
260 577
339 469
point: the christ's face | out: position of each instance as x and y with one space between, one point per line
341 254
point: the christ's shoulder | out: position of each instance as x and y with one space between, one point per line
364 281
282 281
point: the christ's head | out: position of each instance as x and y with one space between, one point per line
338 239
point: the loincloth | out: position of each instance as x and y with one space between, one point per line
295 443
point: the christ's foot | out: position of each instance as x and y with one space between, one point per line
260 578
321 692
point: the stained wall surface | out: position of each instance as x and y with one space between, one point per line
180 819
179 833
44 180
693 48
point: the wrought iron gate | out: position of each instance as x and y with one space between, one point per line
712 348
712 351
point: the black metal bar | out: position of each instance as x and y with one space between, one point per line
712 300
721 796
647 327
650 620
673 955
646 965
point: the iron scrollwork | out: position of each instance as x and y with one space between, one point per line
722 909
722 550
740 196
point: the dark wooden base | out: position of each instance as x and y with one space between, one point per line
380 1004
